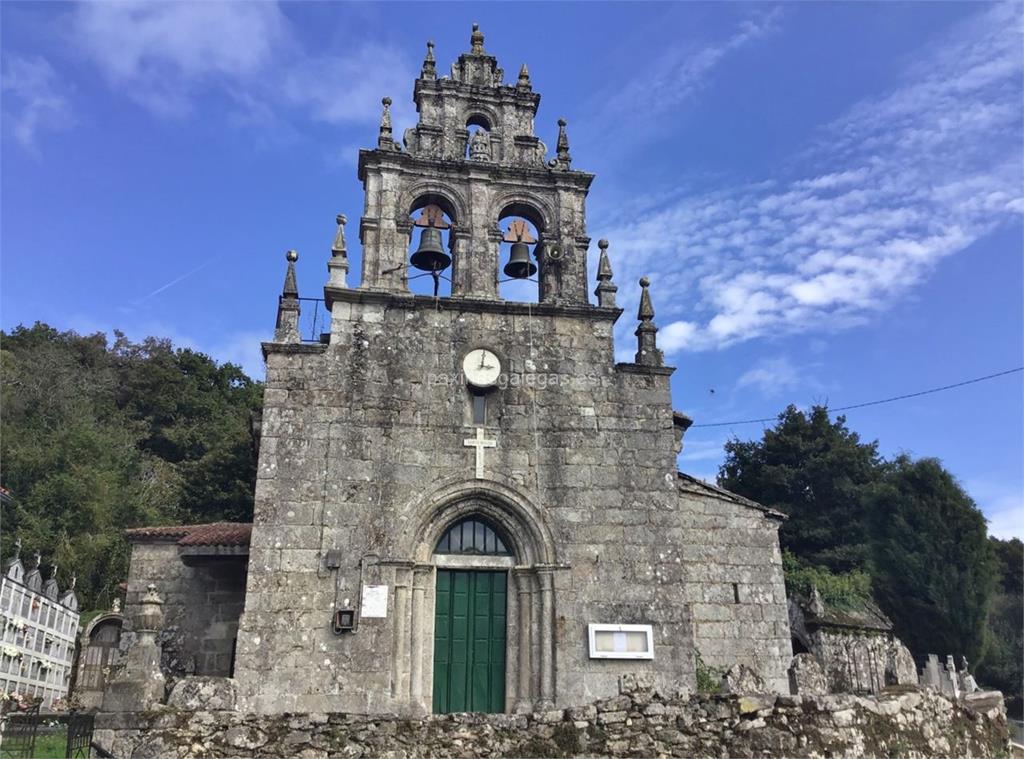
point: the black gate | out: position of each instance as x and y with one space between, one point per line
19 737
80 726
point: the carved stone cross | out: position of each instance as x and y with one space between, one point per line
479 443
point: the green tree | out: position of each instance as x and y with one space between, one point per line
905 528
817 472
933 569
98 438
1002 665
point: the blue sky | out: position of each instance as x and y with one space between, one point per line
828 198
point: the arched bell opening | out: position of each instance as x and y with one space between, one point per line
431 246
518 258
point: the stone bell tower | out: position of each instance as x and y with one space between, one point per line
463 503
503 167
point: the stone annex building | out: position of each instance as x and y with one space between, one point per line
463 502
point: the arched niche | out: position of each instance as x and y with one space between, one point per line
483 141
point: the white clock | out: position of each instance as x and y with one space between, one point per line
481 367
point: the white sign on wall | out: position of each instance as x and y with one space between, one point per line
375 601
621 641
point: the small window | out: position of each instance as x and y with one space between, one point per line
735 593
479 408
472 536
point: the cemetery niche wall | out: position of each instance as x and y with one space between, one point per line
38 630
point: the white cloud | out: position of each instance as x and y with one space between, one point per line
683 70
1002 505
889 190
34 99
771 376
166 55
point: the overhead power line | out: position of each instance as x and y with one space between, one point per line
875 403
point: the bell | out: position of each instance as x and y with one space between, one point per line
519 265
430 255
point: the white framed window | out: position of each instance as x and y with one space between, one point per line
621 641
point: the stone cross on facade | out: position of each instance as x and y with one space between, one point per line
479 443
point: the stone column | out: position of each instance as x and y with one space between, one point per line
139 685
461 254
524 700
421 575
401 631
547 638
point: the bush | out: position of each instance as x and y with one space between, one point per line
846 590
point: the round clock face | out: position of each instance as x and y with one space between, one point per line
481 367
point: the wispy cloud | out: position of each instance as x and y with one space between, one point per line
897 184
771 376
165 56
1003 507
34 99
684 70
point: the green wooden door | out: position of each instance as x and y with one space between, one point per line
469 641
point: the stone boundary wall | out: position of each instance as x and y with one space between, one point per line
905 723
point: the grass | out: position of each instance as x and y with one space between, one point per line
49 746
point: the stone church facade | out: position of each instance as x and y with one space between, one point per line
430 537
463 503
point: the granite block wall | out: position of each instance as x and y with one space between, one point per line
203 600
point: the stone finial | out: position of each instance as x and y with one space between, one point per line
116 606
816 604
287 327
139 684
429 70
384 138
476 41
339 248
647 353
337 267
37 559
606 290
562 156
524 77
291 287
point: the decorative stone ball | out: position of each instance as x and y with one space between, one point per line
602 244
292 256
386 100
562 122
644 282
342 218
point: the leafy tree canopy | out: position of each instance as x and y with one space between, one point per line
903 527
98 437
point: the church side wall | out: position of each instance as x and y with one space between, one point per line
202 604
728 557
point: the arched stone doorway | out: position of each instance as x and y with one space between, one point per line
100 650
519 574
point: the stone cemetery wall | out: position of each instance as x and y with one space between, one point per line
908 724
202 603
863 661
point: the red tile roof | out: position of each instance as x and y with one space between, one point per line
215 534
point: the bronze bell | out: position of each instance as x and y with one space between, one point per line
430 255
519 265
